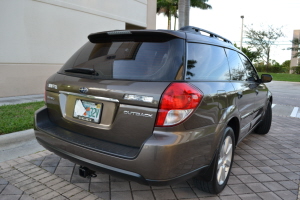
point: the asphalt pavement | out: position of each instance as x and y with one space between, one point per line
286 99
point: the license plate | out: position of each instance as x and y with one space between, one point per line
87 111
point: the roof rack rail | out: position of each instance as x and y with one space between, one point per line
199 30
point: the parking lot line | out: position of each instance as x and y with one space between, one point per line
295 111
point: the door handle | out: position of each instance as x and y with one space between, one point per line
240 94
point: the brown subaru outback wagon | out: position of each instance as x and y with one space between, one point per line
155 106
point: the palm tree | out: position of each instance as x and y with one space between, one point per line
184 9
168 8
181 12
200 4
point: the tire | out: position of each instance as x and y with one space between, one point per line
265 125
219 182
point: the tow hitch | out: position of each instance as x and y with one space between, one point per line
86 172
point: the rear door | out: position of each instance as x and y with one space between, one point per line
111 89
260 90
244 89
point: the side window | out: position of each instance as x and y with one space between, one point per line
237 69
206 62
251 73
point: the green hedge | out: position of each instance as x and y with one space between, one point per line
296 69
273 69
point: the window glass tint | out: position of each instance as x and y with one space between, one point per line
206 62
149 61
251 73
237 69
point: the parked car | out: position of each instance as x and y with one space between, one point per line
155 106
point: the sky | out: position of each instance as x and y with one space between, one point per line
225 19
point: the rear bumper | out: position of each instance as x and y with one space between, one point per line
124 174
164 158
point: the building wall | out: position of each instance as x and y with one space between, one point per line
295 61
38 36
151 14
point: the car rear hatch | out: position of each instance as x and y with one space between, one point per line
109 90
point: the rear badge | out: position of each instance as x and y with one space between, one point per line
50 85
83 90
138 98
138 114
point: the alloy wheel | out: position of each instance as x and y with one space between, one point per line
225 159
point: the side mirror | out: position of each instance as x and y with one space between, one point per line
266 78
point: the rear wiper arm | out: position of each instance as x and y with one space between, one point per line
82 71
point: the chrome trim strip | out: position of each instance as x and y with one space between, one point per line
261 106
246 115
90 96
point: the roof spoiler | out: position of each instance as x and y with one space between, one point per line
134 35
199 30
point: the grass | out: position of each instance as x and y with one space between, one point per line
283 77
18 117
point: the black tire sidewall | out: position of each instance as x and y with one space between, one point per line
265 125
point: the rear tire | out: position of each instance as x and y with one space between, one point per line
265 125
222 167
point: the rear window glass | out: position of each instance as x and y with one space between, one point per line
129 60
207 62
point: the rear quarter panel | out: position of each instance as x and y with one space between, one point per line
216 108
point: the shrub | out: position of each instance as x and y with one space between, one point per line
273 69
260 68
296 69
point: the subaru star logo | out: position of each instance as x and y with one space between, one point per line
83 90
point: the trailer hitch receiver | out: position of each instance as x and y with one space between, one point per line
86 172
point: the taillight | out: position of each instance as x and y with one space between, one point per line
177 103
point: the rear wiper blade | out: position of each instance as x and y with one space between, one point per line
82 71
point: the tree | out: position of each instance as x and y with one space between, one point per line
262 40
182 14
252 55
286 63
296 47
168 8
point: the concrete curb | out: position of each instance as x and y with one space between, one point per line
16 139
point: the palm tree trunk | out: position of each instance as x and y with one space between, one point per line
169 21
187 12
181 12
184 12
175 23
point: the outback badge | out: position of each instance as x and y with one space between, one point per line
83 90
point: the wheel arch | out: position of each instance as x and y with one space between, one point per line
270 97
234 123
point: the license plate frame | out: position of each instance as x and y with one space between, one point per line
87 111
